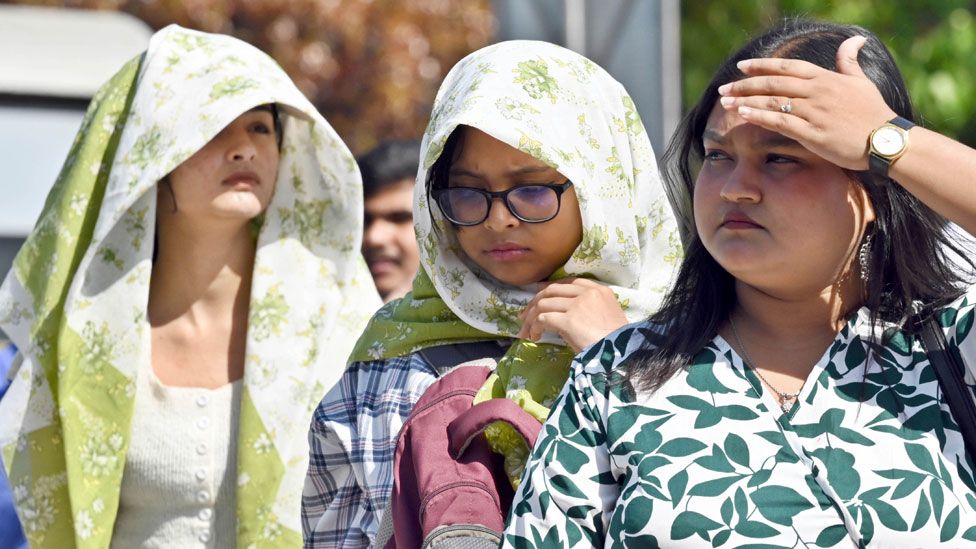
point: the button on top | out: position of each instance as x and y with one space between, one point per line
202 448
205 514
205 537
203 496
202 423
202 400
201 474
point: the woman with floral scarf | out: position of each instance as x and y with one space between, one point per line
543 227
180 306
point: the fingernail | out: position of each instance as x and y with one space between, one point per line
744 64
745 110
726 101
724 89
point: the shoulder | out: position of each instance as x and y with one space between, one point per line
602 368
957 320
371 392
619 347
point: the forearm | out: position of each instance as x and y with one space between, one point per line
941 172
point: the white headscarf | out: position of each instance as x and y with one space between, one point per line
566 111
75 301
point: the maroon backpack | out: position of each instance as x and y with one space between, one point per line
449 488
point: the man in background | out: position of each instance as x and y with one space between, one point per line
389 243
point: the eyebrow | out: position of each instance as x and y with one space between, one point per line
526 170
773 140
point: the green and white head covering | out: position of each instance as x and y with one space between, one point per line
566 111
75 300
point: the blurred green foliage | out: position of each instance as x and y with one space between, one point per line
933 41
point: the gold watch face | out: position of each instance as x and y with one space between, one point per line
888 141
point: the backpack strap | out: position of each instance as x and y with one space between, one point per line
444 358
950 373
471 423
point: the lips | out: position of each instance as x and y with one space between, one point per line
382 264
737 220
242 178
507 251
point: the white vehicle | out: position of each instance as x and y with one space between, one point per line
52 60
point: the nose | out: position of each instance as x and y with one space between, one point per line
742 185
240 144
499 216
377 233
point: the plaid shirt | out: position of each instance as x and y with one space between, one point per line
352 440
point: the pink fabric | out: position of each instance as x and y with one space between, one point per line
443 472
473 422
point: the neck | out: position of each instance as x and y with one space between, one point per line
200 272
795 323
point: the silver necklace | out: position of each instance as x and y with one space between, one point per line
786 400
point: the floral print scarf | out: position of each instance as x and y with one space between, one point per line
566 111
75 300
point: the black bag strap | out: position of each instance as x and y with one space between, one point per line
443 358
950 373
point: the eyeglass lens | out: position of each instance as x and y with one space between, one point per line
529 203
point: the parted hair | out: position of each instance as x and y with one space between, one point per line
909 262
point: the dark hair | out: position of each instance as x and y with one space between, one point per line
389 163
908 262
276 116
440 170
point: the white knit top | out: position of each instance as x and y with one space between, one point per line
178 486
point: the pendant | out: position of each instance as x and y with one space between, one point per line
787 403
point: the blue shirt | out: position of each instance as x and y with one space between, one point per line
11 534
352 441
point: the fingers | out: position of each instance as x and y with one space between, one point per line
567 287
580 311
556 322
847 56
570 282
786 124
781 86
770 103
532 325
775 65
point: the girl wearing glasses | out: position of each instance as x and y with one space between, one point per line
543 227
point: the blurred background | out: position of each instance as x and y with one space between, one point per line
373 66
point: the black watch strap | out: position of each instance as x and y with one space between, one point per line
902 123
878 165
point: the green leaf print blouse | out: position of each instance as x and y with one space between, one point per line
869 455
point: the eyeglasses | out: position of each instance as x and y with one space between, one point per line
466 206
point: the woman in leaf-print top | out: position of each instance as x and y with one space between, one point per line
782 396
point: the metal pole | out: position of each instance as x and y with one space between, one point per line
670 66
576 25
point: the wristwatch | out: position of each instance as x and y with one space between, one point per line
887 144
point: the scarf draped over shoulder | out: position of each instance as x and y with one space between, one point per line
566 111
75 301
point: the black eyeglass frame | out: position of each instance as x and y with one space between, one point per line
490 197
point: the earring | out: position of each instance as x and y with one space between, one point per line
864 258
